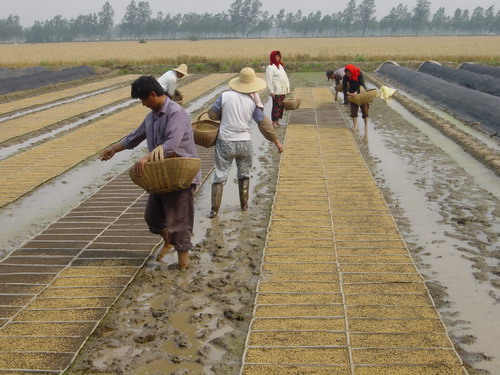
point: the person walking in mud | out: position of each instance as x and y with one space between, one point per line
351 84
278 84
171 215
337 76
236 109
169 81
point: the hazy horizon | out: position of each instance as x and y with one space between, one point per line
35 10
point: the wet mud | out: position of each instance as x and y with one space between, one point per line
195 322
450 224
192 322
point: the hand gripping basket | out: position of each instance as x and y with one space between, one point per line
165 175
292 102
363 97
205 131
178 97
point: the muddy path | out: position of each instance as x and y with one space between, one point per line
195 323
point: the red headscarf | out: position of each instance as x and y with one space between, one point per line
354 70
273 59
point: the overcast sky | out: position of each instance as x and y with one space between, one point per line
42 10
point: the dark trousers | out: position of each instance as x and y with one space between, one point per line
174 212
355 108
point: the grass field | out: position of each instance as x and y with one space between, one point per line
454 49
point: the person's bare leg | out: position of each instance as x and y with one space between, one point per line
354 122
166 246
183 259
366 122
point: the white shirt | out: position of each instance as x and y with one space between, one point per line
169 82
277 80
237 115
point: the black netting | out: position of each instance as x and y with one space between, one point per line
481 69
475 81
468 104
36 79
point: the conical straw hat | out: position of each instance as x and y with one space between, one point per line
183 69
247 82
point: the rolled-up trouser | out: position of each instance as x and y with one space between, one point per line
355 108
174 212
225 152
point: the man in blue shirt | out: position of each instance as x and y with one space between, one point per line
170 215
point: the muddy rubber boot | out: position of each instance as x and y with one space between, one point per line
243 186
182 259
216 199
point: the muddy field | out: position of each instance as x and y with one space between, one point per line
195 322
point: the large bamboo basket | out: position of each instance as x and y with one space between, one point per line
292 102
363 97
166 175
205 130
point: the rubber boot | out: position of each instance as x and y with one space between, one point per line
243 186
216 199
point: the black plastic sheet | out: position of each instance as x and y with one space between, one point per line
474 81
465 103
30 79
481 69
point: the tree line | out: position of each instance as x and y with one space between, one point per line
247 19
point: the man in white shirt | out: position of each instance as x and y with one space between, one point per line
169 80
236 109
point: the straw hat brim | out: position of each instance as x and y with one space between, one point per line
182 69
256 85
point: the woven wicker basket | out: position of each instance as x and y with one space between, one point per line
205 131
292 102
166 175
178 97
363 97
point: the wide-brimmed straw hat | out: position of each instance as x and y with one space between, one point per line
247 82
183 69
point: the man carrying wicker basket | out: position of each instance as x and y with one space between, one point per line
171 215
236 109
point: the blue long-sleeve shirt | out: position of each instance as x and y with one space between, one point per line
170 127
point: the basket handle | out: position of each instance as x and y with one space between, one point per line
198 118
157 154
